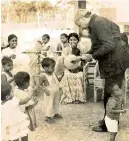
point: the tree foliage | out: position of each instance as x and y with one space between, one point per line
22 11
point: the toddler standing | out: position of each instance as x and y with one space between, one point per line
49 83
27 101
113 109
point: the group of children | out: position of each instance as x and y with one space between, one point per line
18 97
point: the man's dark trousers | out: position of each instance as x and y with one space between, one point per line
117 79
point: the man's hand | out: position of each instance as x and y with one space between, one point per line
87 57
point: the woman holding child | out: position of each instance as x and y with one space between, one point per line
71 62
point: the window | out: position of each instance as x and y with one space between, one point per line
82 4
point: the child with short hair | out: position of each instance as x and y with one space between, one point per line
64 43
47 50
27 101
49 83
6 75
114 107
14 122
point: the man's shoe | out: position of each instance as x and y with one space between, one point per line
49 120
101 122
57 116
99 129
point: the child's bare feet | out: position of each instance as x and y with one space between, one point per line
57 116
49 120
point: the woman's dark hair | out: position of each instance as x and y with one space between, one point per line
47 36
124 37
64 34
11 36
5 90
5 60
46 62
73 35
21 78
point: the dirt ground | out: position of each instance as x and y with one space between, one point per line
76 124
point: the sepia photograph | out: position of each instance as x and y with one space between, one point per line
64 70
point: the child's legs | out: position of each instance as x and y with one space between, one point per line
49 105
56 102
113 136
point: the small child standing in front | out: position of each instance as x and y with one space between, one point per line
14 122
6 75
27 101
114 107
49 83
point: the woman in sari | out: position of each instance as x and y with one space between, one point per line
72 66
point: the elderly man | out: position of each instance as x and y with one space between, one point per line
107 49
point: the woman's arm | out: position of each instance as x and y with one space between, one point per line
59 68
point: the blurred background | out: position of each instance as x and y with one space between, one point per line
30 19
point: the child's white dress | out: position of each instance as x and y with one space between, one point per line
14 122
21 95
52 101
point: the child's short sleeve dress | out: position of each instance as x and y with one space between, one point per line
14 122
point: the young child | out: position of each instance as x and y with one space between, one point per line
6 75
114 107
64 43
14 122
46 51
50 85
27 101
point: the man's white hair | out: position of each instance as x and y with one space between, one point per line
80 14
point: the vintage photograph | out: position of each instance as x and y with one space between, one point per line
64 70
